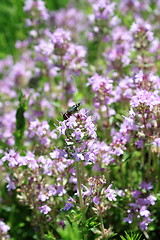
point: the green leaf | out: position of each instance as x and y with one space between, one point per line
20 120
70 232
132 236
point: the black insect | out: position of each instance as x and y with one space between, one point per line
71 111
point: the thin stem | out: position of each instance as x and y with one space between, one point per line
99 51
79 186
80 196
102 226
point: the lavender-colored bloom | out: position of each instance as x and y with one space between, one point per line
149 99
4 228
156 142
43 196
86 128
38 7
60 39
110 193
71 19
45 209
133 5
11 184
58 153
142 26
45 48
144 212
62 128
52 191
96 200
7 125
12 158
139 143
146 186
144 224
87 191
139 208
31 160
41 131
103 9
71 123
61 191
129 219
98 82
103 89
151 200
68 206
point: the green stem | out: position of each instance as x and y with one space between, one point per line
79 188
102 227
99 51
80 196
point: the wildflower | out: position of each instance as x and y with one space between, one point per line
45 209
139 208
4 228
110 193
37 9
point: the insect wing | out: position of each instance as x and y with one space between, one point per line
71 111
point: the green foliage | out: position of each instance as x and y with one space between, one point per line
132 236
54 4
12 25
17 215
49 236
70 232
20 120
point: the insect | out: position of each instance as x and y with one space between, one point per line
71 111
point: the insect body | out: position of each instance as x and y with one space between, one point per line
71 111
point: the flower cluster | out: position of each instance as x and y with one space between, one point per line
139 209
41 130
35 171
80 132
37 11
102 87
69 18
4 228
98 194
85 166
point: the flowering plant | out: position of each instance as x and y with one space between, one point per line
79 122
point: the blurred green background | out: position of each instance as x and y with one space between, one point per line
12 22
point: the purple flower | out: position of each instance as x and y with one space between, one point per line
96 200
144 224
156 142
12 157
43 196
146 98
60 39
45 209
139 208
61 191
11 185
141 26
139 143
44 48
144 212
4 228
68 206
110 193
103 9
129 219
38 7
146 186
151 200
70 18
